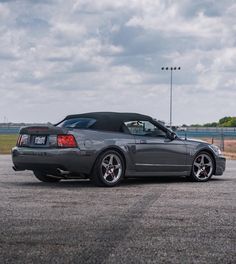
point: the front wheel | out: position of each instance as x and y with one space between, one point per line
203 167
109 169
43 177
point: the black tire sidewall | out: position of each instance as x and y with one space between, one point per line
43 177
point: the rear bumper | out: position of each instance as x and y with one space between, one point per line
220 165
70 159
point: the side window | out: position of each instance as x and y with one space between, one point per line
144 128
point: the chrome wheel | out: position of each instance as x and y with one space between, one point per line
203 167
111 168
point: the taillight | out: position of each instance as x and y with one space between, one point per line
23 140
66 141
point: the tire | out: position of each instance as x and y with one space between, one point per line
109 169
203 167
43 177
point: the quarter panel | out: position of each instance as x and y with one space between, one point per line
94 142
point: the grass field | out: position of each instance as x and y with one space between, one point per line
229 147
7 142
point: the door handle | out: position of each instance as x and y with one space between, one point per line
143 141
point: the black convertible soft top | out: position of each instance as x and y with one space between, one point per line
110 121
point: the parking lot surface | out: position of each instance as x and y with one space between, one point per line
154 220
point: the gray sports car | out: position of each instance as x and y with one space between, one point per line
107 146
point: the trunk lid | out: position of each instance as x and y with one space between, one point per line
43 130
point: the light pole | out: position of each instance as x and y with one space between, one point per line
171 93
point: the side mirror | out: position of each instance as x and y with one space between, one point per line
171 135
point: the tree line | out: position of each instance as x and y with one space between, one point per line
227 121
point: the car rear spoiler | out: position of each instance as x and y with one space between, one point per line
43 129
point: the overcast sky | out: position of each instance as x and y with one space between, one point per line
61 57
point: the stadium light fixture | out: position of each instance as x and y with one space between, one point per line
171 69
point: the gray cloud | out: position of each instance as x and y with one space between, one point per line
61 57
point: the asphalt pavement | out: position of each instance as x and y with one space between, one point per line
154 220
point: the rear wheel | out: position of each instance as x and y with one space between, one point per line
43 177
109 169
203 167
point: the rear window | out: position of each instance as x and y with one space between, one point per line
81 123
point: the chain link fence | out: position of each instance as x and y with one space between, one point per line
224 138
